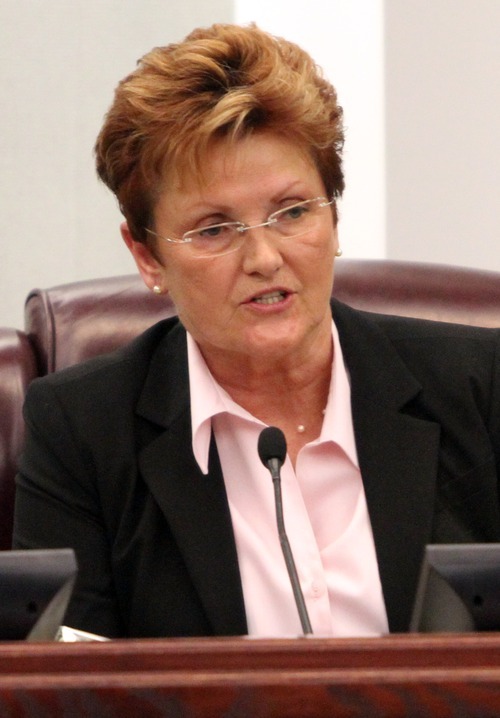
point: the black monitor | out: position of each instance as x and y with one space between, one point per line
35 588
459 589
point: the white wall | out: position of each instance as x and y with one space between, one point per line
443 131
345 37
59 63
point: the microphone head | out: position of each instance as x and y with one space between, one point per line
272 445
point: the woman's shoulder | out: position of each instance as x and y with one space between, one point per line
408 327
122 368
433 351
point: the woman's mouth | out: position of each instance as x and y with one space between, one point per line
270 298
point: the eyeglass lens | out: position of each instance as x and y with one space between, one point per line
291 221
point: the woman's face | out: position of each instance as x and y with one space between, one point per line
220 299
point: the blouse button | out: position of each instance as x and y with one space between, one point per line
317 588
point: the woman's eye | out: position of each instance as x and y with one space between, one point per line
296 211
214 231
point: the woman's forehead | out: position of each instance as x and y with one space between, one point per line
225 158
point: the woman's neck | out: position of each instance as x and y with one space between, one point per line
291 395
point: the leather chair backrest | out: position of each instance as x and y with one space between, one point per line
72 322
417 289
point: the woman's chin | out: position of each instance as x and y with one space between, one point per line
274 344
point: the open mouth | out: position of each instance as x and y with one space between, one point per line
271 298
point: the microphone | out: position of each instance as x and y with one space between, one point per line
272 453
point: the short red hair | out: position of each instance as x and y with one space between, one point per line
224 81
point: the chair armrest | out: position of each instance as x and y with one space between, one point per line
17 369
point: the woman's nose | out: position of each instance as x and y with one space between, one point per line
261 251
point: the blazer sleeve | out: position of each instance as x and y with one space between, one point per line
57 506
494 406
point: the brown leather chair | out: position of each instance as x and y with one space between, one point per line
17 369
72 322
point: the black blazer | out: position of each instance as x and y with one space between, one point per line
108 469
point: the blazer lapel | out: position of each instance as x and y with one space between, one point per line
398 456
195 505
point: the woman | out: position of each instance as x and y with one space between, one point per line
224 152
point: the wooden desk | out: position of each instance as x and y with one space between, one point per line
414 676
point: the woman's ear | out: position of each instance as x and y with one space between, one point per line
149 267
